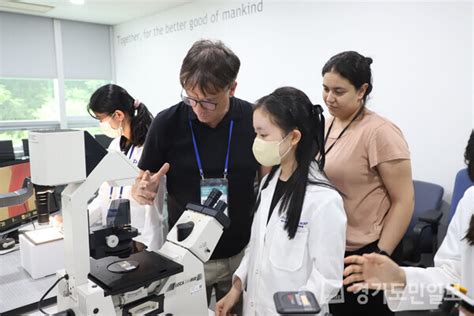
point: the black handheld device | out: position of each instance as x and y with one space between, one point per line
296 303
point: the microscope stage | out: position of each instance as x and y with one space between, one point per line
152 267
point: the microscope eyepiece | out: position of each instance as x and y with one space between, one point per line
220 206
212 198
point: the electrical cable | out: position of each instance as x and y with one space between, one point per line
40 302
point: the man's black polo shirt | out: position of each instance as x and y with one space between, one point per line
169 140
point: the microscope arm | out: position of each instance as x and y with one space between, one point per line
19 196
113 167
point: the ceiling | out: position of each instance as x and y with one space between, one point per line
94 11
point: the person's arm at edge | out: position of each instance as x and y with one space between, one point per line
397 178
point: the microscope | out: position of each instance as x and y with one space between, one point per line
454 297
17 197
170 281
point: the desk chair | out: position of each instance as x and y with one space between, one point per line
422 233
461 184
6 151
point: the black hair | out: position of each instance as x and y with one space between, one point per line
469 156
290 109
354 67
210 66
110 98
469 160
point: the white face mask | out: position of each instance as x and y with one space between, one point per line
109 131
267 153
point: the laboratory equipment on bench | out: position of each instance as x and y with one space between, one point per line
170 281
454 297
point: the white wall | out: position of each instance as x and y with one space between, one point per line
422 68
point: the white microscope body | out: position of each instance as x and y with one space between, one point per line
58 158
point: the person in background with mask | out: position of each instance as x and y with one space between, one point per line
126 120
299 230
368 161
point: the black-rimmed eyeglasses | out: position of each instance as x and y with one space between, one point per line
208 105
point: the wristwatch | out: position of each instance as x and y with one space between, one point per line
381 252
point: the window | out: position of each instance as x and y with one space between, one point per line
34 93
15 137
78 93
27 99
93 130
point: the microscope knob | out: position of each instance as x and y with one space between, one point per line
184 230
112 241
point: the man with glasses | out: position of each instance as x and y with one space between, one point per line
201 143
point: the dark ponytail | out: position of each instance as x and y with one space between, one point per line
469 156
140 124
290 109
319 123
470 232
110 98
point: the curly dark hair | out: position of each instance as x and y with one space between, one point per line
469 156
354 67
469 159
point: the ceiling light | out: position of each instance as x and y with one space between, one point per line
78 2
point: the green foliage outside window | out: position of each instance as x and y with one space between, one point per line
34 99
26 99
78 93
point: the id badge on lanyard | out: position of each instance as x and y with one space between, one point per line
221 184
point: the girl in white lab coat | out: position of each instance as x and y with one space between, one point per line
126 120
413 288
298 233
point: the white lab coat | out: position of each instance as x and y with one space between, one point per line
453 264
312 261
150 221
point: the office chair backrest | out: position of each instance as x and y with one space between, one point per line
26 148
428 196
6 151
461 184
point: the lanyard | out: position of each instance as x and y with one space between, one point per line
121 188
196 151
359 112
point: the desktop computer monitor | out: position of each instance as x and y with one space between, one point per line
103 140
12 175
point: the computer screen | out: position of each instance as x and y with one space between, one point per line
103 140
12 175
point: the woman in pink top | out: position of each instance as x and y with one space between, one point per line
368 160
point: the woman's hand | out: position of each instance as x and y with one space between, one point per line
225 304
372 271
